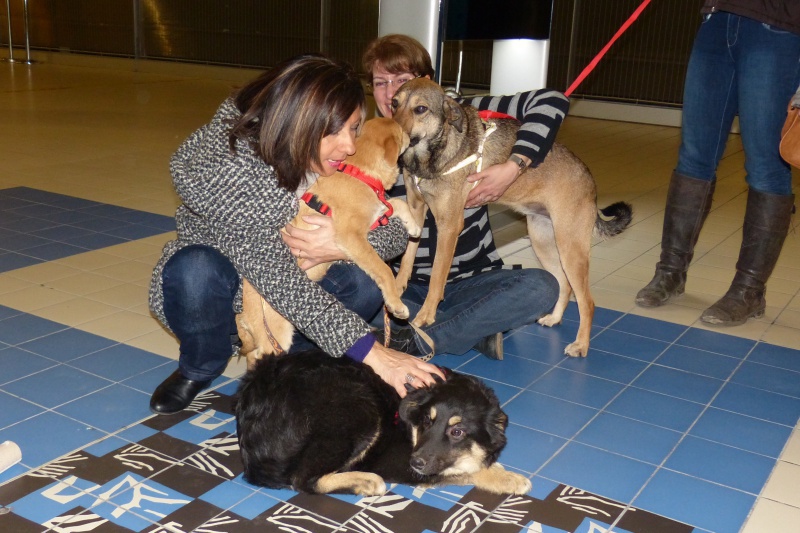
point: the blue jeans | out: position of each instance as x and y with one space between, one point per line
484 304
739 66
200 285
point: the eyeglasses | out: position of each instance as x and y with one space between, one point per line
381 84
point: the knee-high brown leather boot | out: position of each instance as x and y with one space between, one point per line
766 223
688 204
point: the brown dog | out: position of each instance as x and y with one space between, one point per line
559 198
354 207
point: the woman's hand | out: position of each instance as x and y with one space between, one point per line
315 245
398 368
492 183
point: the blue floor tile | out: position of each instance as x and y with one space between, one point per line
55 386
577 387
13 410
696 502
65 434
747 433
759 404
598 471
606 365
721 464
544 349
656 329
548 414
770 378
720 343
528 449
699 361
515 371
109 409
657 409
779 356
635 346
678 383
17 363
67 344
21 328
629 438
118 362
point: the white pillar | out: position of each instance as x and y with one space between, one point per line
416 18
519 65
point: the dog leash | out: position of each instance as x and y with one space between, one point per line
272 340
602 52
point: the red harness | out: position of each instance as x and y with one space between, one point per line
486 115
376 186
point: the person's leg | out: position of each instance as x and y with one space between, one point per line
199 286
768 71
354 289
476 309
709 106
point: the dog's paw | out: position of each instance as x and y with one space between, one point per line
549 320
414 230
576 349
498 480
424 319
398 309
361 483
517 484
369 485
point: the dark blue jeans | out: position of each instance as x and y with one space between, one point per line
739 66
200 285
484 304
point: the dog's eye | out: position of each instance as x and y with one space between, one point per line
457 433
420 109
426 421
395 103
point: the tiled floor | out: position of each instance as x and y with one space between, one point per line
666 426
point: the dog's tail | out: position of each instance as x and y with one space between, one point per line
613 220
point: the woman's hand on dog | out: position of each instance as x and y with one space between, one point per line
316 245
491 183
395 368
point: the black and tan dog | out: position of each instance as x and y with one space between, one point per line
351 198
320 424
558 197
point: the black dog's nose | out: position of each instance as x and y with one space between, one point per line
417 463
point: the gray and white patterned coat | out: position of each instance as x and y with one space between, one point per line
232 202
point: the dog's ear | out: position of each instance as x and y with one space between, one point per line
391 149
453 113
411 406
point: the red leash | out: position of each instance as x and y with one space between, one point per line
602 52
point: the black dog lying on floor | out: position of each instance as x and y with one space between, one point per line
319 424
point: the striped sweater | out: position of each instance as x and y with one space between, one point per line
541 113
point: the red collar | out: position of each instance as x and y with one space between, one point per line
371 182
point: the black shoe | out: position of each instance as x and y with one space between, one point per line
175 394
402 340
491 346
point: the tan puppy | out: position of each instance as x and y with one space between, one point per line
354 208
559 198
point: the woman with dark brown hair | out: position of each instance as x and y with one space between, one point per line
239 178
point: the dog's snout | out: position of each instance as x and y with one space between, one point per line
417 463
